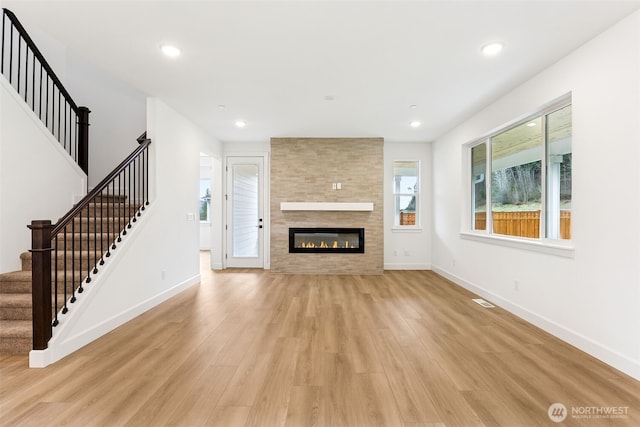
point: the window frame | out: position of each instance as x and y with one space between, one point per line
554 246
417 194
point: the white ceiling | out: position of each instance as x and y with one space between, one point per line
273 64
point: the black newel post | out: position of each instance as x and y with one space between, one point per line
41 282
83 138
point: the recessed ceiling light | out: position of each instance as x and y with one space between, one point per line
329 98
415 124
491 49
241 123
221 106
170 51
413 106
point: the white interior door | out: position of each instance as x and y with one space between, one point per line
245 232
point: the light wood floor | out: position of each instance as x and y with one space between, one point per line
251 348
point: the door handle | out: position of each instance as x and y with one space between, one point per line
260 223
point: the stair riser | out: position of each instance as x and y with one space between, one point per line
15 287
85 266
84 243
16 345
24 287
113 224
24 313
109 210
15 313
23 279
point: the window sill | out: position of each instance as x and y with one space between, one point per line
550 247
406 229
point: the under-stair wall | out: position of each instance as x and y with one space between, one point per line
38 179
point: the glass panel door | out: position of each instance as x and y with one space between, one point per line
244 212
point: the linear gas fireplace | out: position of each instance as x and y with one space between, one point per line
326 240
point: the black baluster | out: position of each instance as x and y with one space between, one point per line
11 53
95 238
120 208
64 271
55 276
19 53
135 183
108 225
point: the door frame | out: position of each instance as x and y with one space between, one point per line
266 215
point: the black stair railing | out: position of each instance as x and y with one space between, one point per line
66 255
26 69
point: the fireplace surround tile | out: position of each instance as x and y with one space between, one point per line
303 170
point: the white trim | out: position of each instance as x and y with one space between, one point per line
550 247
609 356
326 206
407 229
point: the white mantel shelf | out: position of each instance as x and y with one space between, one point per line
326 206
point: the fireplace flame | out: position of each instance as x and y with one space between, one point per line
323 244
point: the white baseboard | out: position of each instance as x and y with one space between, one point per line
607 355
58 350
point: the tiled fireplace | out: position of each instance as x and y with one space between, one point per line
320 184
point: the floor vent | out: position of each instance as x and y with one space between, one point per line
482 302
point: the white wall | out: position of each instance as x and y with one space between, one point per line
160 256
591 300
407 249
118 115
38 179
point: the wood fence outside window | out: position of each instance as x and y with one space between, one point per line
521 223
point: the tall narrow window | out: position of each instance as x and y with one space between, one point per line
559 174
479 187
205 200
406 192
528 192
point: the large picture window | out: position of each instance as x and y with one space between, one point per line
528 165
406 191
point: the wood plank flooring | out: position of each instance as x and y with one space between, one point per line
252 348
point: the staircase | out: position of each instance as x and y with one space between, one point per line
16 329
73 250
